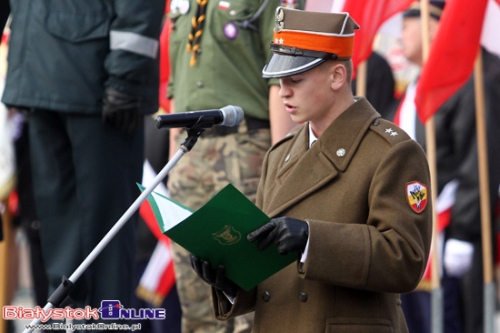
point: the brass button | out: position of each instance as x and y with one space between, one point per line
266 296
376 122
303 297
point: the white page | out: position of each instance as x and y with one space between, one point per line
171 213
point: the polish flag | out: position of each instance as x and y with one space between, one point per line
369 14
159 276
462 19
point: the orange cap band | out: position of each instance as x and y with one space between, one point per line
342 46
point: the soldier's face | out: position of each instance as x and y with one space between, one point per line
308 96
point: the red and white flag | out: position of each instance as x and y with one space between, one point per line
370 15
452 55
491 27
159 276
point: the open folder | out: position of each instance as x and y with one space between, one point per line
218 231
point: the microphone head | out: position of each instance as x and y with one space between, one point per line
233 115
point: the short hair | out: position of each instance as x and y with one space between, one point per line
349 67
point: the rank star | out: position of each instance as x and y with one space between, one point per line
394 133
281 41
388 130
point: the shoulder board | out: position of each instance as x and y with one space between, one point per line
389 131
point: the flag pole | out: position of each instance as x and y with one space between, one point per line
430 139
361 74
482 147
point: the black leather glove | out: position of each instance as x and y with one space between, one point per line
288 234
121 110
215 277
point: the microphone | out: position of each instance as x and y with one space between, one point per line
227 116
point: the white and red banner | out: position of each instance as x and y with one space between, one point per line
159 276
369 14
452 55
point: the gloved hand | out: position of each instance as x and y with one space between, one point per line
121 110
288 234
457 257
216 278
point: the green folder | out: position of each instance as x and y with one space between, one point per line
218 231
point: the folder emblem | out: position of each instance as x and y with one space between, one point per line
227 235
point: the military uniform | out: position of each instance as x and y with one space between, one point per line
223 68
367 243
347 191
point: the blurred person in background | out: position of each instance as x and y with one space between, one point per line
85 73
217 52
457 171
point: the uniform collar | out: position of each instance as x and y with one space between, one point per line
340 140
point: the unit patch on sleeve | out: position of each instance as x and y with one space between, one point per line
417 196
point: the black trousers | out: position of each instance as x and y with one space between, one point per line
84 176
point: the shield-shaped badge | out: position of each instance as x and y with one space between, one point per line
417 196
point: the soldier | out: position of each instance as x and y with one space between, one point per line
347 191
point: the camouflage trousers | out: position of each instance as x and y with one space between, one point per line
214 162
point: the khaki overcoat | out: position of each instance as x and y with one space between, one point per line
368 241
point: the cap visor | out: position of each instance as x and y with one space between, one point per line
285 65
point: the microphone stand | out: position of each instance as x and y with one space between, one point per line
62 292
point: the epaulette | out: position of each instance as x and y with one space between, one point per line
392 133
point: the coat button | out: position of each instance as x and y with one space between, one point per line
200 84
303 297
376 122
266 296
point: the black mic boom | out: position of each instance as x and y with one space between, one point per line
227 116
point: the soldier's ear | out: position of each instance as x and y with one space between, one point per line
338 75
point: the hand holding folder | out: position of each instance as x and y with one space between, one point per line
217 233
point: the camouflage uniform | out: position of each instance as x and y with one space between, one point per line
225 68
214 162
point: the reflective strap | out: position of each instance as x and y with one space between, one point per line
133 42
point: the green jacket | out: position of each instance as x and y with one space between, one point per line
62 53
230 58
